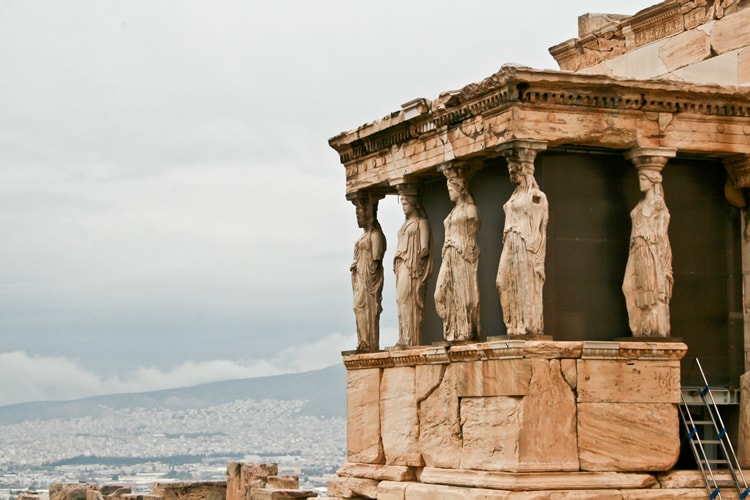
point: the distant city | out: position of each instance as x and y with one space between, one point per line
137 446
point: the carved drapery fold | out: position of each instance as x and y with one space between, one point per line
521 274
367 270
412 264
648 281
457 288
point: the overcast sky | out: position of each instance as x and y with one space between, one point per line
170 210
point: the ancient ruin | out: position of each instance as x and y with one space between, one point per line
569 385
619 250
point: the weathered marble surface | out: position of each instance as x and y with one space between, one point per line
648 278
399 423
547 435
613 437
490 428
457 287
367 273
520 273
348 487
244 478
412 264
494 377
440 437
618 381
601 406
363 441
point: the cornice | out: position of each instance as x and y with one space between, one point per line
518 349
532 89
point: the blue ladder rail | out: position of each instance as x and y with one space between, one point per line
722 443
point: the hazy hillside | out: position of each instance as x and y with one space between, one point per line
325 391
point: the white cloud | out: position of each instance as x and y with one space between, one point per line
25 377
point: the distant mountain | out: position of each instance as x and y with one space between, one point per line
325 391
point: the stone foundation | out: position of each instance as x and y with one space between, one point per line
591 419
468 485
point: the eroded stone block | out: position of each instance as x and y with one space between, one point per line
570 372
609 494
731 32
628 436
547 435
418 491
398 417
440 426
539 481
494 377
686 48
609 381
271 494
389 490
667 494
283 482
348 487
363 442
379 472
743 67
70 491
490 428
234 481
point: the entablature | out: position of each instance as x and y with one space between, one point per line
555 107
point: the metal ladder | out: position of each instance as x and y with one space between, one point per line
721 443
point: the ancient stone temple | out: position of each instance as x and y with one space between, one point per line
573 241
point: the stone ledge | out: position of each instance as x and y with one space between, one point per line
271 494
538 481
419 491
517 349
378 472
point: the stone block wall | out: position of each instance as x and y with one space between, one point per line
191 490
511 414
687 41
245 481
250 481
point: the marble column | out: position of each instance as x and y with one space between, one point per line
648 281
738 168
457 287
412 264
367 271
520 273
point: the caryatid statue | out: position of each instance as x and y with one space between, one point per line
520 274
648 274
457 288
412 265
367 272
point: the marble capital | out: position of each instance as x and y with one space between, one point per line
406 187
738 168
650 158
365 196
521 151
